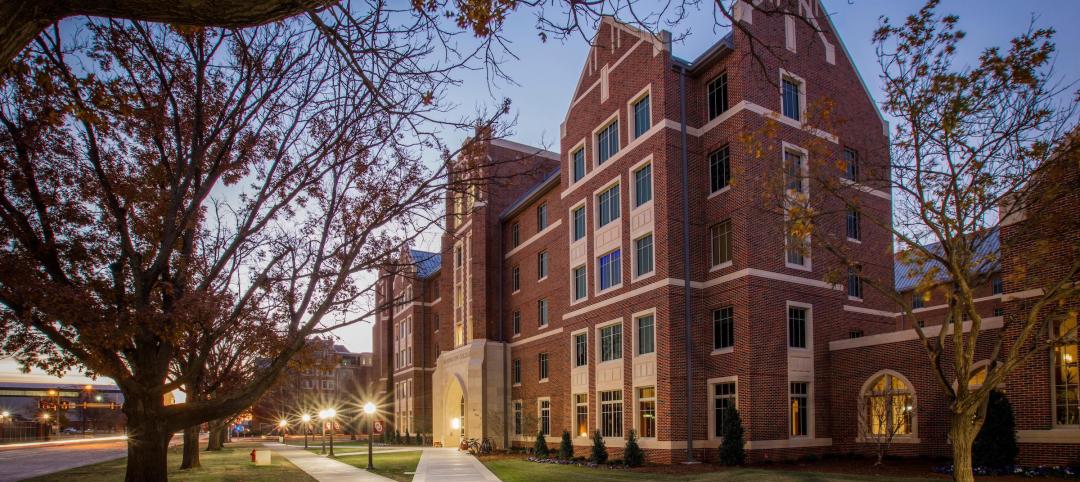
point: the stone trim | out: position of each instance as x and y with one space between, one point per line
989 323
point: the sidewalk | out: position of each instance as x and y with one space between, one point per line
443 464
322 468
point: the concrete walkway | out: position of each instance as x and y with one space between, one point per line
449 465
322 468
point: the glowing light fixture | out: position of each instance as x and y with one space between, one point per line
455 423
282 424
369 408
306 418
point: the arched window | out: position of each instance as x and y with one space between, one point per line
888 405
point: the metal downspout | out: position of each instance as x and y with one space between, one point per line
687 312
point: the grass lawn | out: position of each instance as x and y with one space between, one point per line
392 465
231 464
518 470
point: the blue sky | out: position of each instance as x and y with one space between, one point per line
545 73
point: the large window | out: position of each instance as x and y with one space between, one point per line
800 406
517 322
541 217
581 350
579 164
918 300
998 286
542 312
610 270
580 283
1067 377
607 142
797 327
854 282
542 265
646 412
579 223
794 163
611 342
643 185
723 397
796 250
720 243
542 362
888 406
545 417
716 96
723 327
643 255
646 335
516 372
607 206
517 418
581 414
851 164
642 122
515 234
854 224
611 410
791 98
515 277
719 169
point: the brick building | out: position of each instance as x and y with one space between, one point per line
568 286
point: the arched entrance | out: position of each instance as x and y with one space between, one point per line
468 386
454 408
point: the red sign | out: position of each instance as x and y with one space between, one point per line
378 426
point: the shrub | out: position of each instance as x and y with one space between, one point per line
566 448
397 437
632 454
995 446
732 450
540 448
599 451
408 438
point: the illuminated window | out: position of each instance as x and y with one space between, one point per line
800 418
611 414
581 412
888 406
646 425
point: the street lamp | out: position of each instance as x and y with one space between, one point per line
307 427
329 414
322 423
282 427
369 410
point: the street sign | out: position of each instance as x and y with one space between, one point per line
378 426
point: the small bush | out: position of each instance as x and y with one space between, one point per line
397 437
995 446
599 451
633 454
732 449
566 448
540 448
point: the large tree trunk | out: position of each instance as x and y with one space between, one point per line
148 441
962 435
217 437
191 448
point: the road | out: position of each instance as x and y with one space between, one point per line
24 462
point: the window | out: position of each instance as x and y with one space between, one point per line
580 283
800 420
579 223
888 406
608 205
791 98
457 255
643 255
998 286
642 122
515 277
542 312
646 412
516 372
796 248
541 217
579 164
542 360
611 343
719 169
854 230
723 327
999 311
542 265
610 270
611 413
854 282
852 334
723 397
720 242
581 412
1066 376
796 327
517 418
851 164
643 185
545 417
918 300
716 96
517 322
646 335
607 142
793 161
921 323
515 234
581 350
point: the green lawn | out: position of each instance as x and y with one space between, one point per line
511 470
231 464
393 464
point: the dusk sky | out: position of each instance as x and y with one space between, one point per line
546 73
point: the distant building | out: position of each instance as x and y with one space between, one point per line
75 407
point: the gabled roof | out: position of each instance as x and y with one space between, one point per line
988 249
427 263
549 181
723 46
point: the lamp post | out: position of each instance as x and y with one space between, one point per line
369 409
56 394
283 426
307 427
322 422
330 414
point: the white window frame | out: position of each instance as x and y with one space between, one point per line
648 161
647 91
811 431
635 336
573 348
809 326
573 286
634 260
570 217
598 289
808 264
570 160
712 383
637 411
598 346
573 414
594 140
540 417
616 183
788 75
547 264
600 414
